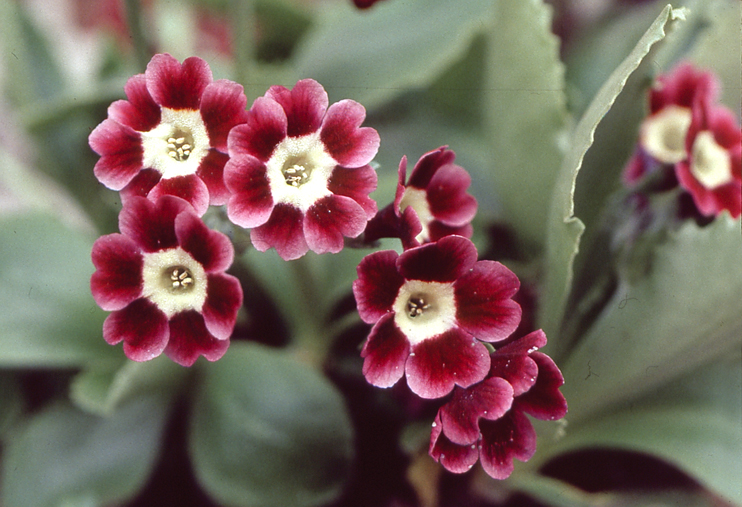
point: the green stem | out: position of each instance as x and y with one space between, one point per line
134 20
310 341
243 35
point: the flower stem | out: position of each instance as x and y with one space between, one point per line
142 51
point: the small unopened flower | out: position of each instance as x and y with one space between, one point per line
298 171
170 136
430 307
432 204
488 421
163 278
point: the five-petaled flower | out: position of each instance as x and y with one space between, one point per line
170 136
298 171
430 307
432 204
163 278
488 421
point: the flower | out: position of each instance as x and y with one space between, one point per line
364 4
163 278
434 203
430 306
170 136
298 171
487 421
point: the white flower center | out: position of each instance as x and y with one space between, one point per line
174 281
710 165
424 309
663 134
298 171
417 199
177 145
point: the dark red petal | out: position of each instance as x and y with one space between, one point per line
436 231
140 112
454 458
189 339
543 400
489 399
447 197
330 220
428 165
223 105
377 285
211 172
152 224
443 261
518 369
356 184
191 188
683 86
348 144
212 249
251 203
142 327
508 438
483 304
524 345
305 106
121 151
265 127
223 301
385 353
451 358
283 231
117 280
177 86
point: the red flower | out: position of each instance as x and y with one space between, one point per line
298 171
364 4
163 278
434 203
487 421
170 136
430 306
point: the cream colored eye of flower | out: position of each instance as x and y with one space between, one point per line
174 281
298 171
710 165
663 134
177 145
424 309
417 199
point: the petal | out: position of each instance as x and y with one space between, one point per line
189 187
519 370
142 327
223 105
251 202
121 151
177 86
454 458
356 184
265 127
385 353
189 339
223 301
331 219
428 165
117 280
490 399
141 185
305 106
212 249
348 144
483 304
443 261
543 400
682 87
510 437
437 230
211 172
283 231
377 285
453 357
447 197
140 112
152 224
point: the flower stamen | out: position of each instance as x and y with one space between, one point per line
181 278
296 175
416 306
178 148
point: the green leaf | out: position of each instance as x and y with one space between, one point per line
11 402
376 55
47 315
564 229
267 430
66 457
683 313
527 115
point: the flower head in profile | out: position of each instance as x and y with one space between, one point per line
170 136
163 278
488 422
432 204
430 307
